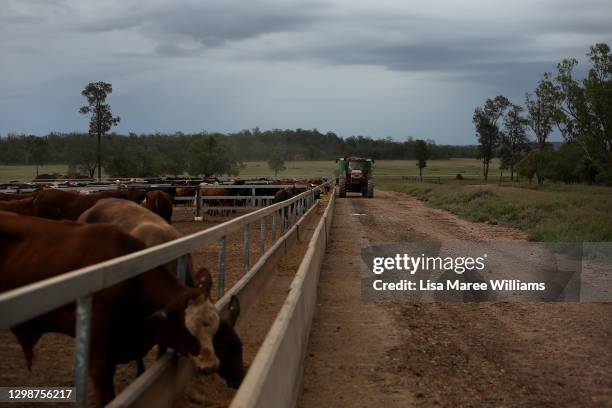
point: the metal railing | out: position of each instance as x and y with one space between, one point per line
254 199
30 301
424 179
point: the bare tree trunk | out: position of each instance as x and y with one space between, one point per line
99 159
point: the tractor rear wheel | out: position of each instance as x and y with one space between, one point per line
370 188
342 187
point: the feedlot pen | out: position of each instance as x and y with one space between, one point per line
53 363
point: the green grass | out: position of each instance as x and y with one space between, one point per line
467 167
27 173
566 213
554 213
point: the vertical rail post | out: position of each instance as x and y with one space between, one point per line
81 348
273 227
199 204
181 268
221 267
252 196
282 221
262 236
246 248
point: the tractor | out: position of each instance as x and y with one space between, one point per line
355 176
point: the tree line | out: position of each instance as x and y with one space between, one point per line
203 153
579 108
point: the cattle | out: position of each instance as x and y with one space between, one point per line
284 194
153 230
128 319
215 192
160 203
185 192
228 348
23 206
135 220
68 205
15 196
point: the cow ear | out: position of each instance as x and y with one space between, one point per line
203 280
234 310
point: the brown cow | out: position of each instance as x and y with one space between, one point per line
24 206
135 220
213 192
68 205
16 196
127 318
153 230
160 203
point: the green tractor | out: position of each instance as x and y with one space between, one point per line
355 176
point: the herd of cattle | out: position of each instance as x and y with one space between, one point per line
52 231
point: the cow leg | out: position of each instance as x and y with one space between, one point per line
27 338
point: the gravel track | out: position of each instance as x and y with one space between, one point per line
475 354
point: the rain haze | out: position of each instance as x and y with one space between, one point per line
379 69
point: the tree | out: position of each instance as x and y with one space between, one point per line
422 155
585 107
210 155
102 119
37 149
514 138
541 115
276 162
487 130
81 155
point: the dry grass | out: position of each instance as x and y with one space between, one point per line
567 213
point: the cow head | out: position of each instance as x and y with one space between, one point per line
202 321
189 323
229 347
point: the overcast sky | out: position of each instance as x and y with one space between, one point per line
376 68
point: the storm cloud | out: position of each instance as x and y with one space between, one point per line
384 68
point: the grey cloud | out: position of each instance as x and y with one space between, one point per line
211 23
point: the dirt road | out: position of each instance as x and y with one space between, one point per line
398 355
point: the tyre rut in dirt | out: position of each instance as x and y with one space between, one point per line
342 187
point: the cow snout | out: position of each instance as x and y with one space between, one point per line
209 369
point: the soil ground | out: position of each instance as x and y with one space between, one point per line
53 359
473 354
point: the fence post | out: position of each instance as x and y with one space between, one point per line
221 267
273 227
282 220
181 268
199 216
262 236
81 349
246 248
252 196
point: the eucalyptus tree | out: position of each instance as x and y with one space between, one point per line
102 119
